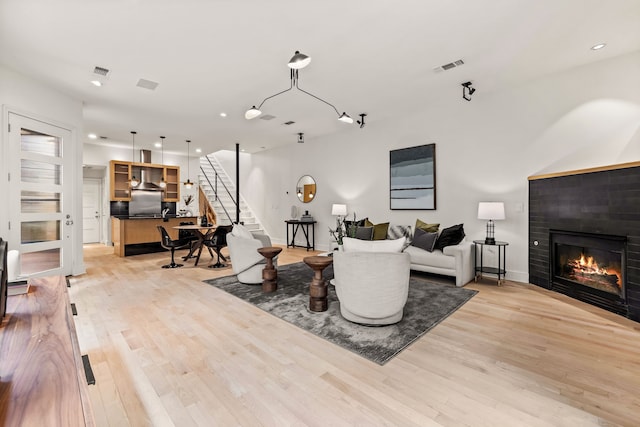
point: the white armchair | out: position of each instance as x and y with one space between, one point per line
246 262
372 286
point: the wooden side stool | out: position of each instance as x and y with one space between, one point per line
269 273
318 288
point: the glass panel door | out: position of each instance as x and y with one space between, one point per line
40 222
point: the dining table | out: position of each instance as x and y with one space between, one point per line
202 233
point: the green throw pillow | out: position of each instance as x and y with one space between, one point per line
429 228
379 230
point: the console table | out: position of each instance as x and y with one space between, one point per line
310 235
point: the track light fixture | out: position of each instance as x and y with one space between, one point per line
361 121
467 91
298 61
301 138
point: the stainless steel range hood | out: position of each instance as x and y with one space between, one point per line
145 174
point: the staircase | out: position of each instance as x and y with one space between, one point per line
223 204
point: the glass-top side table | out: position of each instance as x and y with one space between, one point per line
500 271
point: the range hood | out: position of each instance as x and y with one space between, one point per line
145 174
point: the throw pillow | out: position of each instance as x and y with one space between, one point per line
397 231
424 240
379 230
355 245
348 224
450 236
430 228
241 231
364 233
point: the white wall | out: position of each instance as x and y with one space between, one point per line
24 95
485 151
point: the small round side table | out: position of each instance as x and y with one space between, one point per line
269 273
318 287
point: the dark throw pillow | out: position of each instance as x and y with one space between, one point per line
424 239
364 233
349 224
450 236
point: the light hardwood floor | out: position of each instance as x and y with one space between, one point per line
167 349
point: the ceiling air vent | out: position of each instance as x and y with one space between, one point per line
449 66
100 71
289 123
147 84
267 117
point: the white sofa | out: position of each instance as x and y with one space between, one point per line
456 261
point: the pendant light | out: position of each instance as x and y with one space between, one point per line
188 184
163 183
134 181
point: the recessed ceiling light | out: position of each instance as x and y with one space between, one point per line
92 136
598 46
243 150
198 150
223 114
96 83
158 144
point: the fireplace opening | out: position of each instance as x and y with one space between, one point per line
590 267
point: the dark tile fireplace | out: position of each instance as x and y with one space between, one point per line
584 236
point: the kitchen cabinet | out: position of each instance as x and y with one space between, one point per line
121 172
120 177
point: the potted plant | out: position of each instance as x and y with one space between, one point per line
341 230
188 199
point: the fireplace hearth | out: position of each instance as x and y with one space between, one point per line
590 267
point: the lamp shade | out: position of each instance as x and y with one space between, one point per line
299 60
344 117
338 209
252 113
491 210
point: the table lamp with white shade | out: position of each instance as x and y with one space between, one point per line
338 210
491 211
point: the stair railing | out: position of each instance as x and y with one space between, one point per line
205 206
214 187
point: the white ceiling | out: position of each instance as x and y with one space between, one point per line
212 56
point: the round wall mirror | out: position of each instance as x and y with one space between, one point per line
306 189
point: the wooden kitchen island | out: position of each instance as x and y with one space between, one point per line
137 235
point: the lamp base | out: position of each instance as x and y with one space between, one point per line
489 241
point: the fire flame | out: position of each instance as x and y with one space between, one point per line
589 266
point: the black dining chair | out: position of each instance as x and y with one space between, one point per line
218 241
170 244
189 236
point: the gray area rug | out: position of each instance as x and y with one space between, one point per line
429 303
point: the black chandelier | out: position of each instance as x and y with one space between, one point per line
298 61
